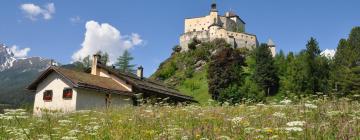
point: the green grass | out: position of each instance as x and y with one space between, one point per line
196 87
306 119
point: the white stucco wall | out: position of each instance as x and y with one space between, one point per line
87 99
55 83
81 98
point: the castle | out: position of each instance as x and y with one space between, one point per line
229 27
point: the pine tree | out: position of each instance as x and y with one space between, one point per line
345 74
265 74
104 59
86 61
312 52
82 64
280 62
250 89
124 62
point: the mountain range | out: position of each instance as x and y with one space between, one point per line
16 74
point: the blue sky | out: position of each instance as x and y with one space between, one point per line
59 32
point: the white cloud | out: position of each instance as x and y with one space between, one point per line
75 19
135 38
329 53
33 11
19 53
106 38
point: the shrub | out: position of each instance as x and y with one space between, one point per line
193 43
166 70
225 70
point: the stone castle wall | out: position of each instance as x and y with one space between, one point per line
237 40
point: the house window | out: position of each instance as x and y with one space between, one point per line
48 94
67 93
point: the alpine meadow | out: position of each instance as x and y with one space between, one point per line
180 70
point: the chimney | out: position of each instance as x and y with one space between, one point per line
52 62
94 69
140 72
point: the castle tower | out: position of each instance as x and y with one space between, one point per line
272 47
213 7
214 15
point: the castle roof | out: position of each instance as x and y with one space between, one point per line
270 43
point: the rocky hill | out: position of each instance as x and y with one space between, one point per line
187 71
16 74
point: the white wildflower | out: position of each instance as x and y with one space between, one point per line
64 121
311 106
237 120
356 95
278 106
286 101
184 138
68 138
295 123
334 113
148 111
279 115
249 129
74 132
274 137
293 129
259 137
224 138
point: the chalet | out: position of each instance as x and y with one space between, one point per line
68 90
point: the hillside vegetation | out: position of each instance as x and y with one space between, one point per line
187 71
323 118
214 70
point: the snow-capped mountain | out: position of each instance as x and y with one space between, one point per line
329 53
6 58
9 61
16 74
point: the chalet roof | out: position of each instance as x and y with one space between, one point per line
146 84
93 82
82 80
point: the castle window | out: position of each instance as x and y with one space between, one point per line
203 29
47 96
194 30
67 93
